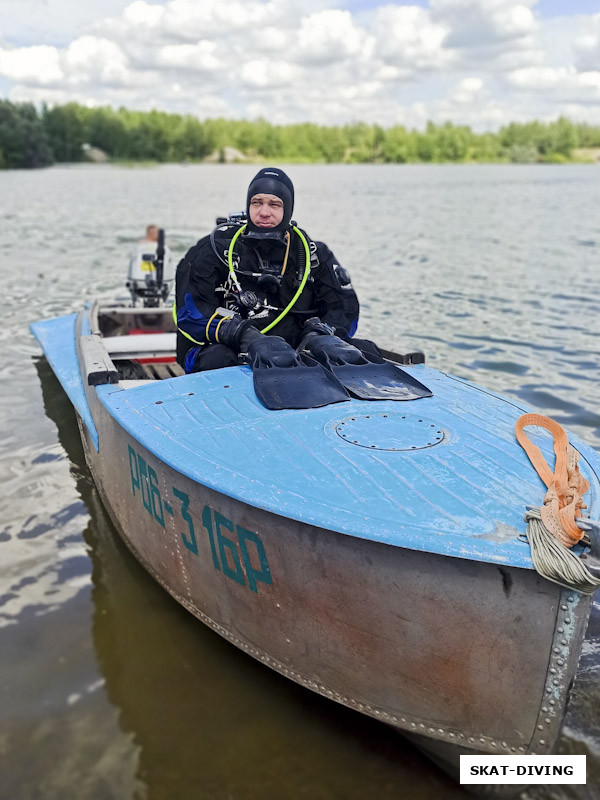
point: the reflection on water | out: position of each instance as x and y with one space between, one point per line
108 689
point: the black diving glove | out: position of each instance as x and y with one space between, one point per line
237 333
314 325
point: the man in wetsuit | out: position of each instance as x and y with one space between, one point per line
264 275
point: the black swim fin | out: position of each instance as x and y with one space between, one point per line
285 379
366 375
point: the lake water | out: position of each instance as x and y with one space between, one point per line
108 689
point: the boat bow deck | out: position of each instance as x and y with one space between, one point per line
442 474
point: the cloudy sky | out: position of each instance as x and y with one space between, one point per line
477 62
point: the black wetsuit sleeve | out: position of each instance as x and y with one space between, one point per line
199 274
327 288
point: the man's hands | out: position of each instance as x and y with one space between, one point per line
314 325
237 333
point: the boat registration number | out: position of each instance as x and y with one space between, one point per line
235 551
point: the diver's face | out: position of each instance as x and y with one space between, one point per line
266 210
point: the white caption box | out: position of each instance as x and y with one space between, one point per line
522 769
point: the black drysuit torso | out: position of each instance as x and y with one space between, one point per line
204 284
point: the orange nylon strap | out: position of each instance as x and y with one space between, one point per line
566 485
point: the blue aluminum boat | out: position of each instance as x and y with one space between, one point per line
372 551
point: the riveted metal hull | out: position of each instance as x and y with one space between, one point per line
472 654
463 655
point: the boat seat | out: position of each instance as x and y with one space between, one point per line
160 372
149 345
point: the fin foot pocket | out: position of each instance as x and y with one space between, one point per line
284 379
364 374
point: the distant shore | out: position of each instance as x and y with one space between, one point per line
31 138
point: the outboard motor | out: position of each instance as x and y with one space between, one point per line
151 273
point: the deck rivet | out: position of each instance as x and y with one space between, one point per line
540 727
564 642
560 662
421 725
552 671
561 630
571 599
544 710
413 724
542 741
564 607
552 702
568 620
557 649
451 735
556 683
547 720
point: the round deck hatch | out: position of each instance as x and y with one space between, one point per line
390 431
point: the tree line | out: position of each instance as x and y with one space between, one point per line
36 138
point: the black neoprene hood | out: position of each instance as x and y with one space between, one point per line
271 180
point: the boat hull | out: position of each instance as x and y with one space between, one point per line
466 656
463 654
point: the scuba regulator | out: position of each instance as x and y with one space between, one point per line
247 302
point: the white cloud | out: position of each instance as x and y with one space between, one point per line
477 62
564 83
200 57
264 73
38 65
467 91
91 59
482 22
140 14
587 47
407 36
328 36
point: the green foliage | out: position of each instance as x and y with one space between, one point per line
106 129
31 139
522 153
588 136
536 141
23 140
65 131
